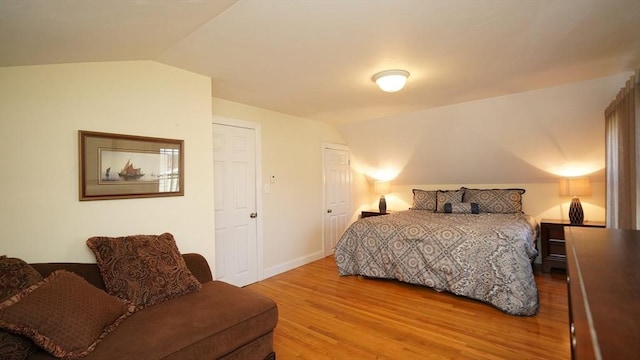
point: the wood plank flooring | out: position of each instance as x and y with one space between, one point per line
325 316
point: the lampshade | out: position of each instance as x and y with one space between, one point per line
391 80
580 186
382 187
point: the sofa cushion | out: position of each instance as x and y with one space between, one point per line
196 263
208 324
15 276
63 314
88 271
143 269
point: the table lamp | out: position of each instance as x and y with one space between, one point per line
381 188
575 187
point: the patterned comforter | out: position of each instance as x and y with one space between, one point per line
482 256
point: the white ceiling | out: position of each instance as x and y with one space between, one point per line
315 58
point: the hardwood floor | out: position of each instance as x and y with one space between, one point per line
325 316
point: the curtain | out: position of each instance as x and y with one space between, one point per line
622 129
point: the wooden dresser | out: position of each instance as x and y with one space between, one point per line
603 277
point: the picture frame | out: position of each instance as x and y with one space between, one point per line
116 166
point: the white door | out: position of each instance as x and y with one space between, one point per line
337 181
234 171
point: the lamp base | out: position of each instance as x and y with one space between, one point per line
576 215
382 205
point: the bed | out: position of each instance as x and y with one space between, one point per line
457 243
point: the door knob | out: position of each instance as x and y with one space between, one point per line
329 211
253 215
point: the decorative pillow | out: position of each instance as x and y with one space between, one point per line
448 196
424 200
499 201
461 208
15 276
143 269
63 314
15 347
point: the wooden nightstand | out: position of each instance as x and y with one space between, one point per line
552 241
373 213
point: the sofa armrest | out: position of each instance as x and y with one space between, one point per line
198 266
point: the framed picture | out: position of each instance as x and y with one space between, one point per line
114 166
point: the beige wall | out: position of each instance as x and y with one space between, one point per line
41 110
529 137
293 209
43 107
526 140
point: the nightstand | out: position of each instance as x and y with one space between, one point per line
373 213
552 241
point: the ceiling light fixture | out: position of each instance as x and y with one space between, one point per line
391 80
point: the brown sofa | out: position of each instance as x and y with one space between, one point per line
221 321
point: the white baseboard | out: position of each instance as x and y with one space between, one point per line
279 269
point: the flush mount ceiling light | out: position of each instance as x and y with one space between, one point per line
391 80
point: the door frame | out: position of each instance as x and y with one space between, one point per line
257 127
334 146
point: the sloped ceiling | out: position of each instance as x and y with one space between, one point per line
536 136
315 58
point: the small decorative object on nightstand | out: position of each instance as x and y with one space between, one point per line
381 188
552 241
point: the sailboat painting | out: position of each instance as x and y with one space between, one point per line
129 172
130 166
117 166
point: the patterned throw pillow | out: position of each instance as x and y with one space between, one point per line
461 208
63 314
15 276
143 269
424 200
498 201
15 347
448 196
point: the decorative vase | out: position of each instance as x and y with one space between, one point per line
382 206
576 215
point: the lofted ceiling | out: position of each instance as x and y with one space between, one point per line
315 58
